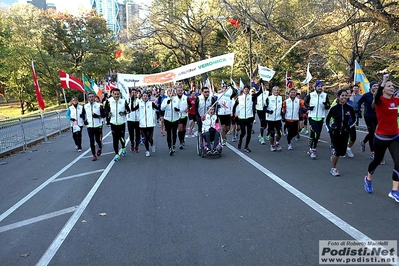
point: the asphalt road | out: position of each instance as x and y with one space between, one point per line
57 207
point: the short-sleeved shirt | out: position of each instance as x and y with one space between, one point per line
387 114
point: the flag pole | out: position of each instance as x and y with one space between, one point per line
354 75
66 104
286 73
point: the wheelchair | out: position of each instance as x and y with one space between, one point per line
202 148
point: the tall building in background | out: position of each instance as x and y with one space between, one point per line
110 11
38 3
117 15
132 15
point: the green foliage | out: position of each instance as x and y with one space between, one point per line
76 44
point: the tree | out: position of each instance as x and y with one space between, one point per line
188 29
79 45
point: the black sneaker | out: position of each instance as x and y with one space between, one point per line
247 149
239 145
171 152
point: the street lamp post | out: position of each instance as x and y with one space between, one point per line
250 51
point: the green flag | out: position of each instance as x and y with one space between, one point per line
87 85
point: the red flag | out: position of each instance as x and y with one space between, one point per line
288 82
37 88
235 22
110 86
70 82
118 53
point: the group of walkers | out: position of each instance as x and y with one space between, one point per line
235 111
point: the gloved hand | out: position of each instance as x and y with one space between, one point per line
177 109
311 108
81 116
122 113
168 102
73 119
85 122
96 116
270 112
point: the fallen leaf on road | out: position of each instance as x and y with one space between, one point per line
348 202
35 178
102 214
84 221
25 255
223 246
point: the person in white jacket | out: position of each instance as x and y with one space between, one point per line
93 113
147 120
184 105
225 104
133 120
274 105
117 108
74 114
318 104
171 118
209 130
245 114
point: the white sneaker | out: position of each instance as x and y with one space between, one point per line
349 153
334 172
262 141
147 154
272 148
313 154
153 148
289 147
278 147
233 139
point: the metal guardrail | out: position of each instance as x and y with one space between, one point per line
19 133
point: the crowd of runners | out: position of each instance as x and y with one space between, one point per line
178 113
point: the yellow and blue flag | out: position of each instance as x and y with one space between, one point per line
361 79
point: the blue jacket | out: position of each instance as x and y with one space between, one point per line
367 99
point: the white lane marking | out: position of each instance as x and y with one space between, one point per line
43 185
62 235
77 175
341 224
37 219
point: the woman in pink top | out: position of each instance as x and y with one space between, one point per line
386 135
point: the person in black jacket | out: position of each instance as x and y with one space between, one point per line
338 125
370 117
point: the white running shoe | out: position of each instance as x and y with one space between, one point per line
334 172
147 154
278 147
153 148
313 154
349 153
289 146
